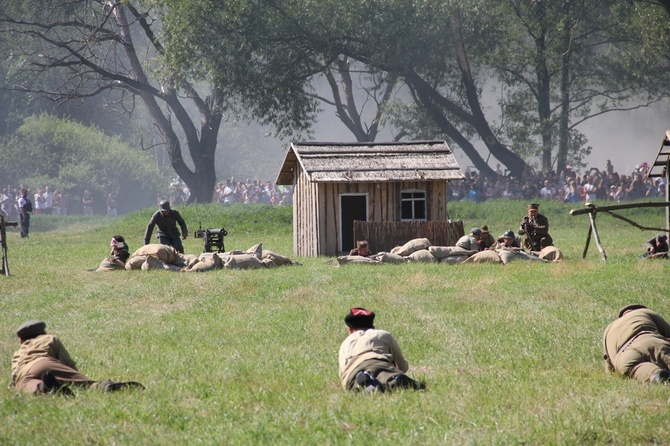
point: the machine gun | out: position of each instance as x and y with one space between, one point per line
4 269
211 238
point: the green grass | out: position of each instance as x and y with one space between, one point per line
510 353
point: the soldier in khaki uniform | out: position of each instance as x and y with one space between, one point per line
636 345
43 365
487 241
536 226
370 359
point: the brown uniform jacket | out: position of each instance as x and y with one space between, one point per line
363 345
43 346
625 329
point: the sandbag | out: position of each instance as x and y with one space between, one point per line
387 257
269 263
135 262
172 267
551 254
344 260
458 251
277 259
110 265
523 255
185 260
256 251
506 256
452 260
484 257
440 252
152 263
411 246
422 255
165 253
213 262
243 261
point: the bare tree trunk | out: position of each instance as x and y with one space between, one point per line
564 123
345 102
425 97
511 160
202 180
543 89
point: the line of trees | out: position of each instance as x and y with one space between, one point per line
424 68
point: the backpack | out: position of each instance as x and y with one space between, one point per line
28 207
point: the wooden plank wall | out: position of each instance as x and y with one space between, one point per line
305 217
385 235
316 209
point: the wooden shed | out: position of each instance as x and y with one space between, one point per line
337 184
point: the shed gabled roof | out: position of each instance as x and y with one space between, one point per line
328 162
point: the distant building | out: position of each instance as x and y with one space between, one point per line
336 184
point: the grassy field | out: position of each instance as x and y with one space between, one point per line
511 353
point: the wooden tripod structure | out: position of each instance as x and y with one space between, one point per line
659 169
593 210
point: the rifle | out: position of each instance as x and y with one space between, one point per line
3 241
528 240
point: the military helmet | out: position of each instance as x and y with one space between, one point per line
508 234
164 205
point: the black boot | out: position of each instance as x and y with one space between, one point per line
403 381
661 377
112 386
368 383
52 385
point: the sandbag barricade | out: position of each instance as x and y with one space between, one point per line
420 250
162 257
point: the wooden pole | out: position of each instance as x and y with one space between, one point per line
3 242
588 241
592 218
591 206
667 192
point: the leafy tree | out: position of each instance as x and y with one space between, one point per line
64 154
285 45
113 46
564 62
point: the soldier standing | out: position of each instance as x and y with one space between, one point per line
167 219
25 208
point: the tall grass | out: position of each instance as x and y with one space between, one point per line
511 354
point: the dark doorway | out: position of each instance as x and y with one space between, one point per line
353 207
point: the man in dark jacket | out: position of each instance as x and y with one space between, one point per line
536 228
167 219
636 345
657 247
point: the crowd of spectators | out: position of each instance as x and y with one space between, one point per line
232 191
568 186
45 201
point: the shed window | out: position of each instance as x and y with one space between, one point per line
413 205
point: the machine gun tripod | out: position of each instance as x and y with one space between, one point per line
212 238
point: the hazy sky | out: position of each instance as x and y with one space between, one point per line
626 138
